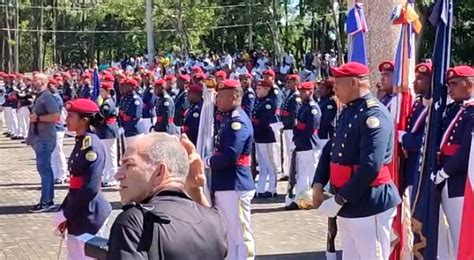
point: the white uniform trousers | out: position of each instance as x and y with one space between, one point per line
23 121
111 163
11 120
75 247
276 128
235 206
58 158
452 208
366 238
146 124
288 147
306 163
2 119
267 166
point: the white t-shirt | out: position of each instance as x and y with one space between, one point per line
284 69
290 59
241 70
262 62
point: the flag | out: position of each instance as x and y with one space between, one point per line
96 85
356 28
403 77
426 197
205 140
466 240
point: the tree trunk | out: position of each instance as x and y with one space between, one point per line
9 48
335 11
275 33
17 37
251 25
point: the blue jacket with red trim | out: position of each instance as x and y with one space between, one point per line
191 122
328 108
230 163
264 113
130 112
85 206
360 152
149 101
165 115
305 133
288 110
107 128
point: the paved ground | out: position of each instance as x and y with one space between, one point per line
279 234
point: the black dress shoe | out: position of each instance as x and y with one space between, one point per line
263 195
292 206
284 178
8 135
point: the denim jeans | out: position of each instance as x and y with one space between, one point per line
43 151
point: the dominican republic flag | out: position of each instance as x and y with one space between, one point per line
96 85
356 28
466 239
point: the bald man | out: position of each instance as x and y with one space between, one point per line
42 137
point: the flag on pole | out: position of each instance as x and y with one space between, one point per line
466 239
96 85
403 77
426 197
356 28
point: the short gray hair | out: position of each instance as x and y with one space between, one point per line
162 147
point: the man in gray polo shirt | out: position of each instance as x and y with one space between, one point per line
42 137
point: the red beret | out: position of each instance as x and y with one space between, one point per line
66 75
200 75
159 82
2 74
19 75
308 85
35 72
108 77
115 68
120 75
11 76
82 105
73 73
460 72
169 77
246 75
195 88
196 69
293 77
269 73
52 81
87 76
148 74
185 77
386 66
221 73
265 83
132 82
229 84
350 69
329 82
108 69
423 68
59 79
137 78
55 75
107 85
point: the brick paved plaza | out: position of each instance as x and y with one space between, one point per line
279 234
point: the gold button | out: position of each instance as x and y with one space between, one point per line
449 143
361 110
454 131
330 153
451 138
455 125
355 116
342 145
339 154
350 125
460 118
333 144
345 135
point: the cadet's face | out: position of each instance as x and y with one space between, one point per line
292 84
421 84
225 100
244 81
220 79
74 122
262 91
323 91
158 89
194 97
103 93
386 80
305 94
459 89
137 178
268 78
344 89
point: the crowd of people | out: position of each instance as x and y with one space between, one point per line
269 123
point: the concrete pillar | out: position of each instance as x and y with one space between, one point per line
382 35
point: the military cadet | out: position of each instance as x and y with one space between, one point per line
327 103
10 107
220 76
305 137
181 101
171 86
68 93
232 182
288 111
457 126
25 100
149 101
248 100
130 109
85 209
86 90
107 129
412 138
276 125
193 114
264 113
364 196
58 157
164 110
386 83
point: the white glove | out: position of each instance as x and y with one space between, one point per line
207 162
400 136
329 208
439 177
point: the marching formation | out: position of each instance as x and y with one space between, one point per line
332 141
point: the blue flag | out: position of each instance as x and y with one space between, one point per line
356 28
426 196
96 84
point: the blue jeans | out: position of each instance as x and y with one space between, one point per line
43 151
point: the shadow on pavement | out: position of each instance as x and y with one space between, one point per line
267 210
299 256
24 209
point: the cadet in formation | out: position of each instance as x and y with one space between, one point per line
193 114
164 110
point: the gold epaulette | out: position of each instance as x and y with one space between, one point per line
372 103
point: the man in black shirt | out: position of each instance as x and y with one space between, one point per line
166 215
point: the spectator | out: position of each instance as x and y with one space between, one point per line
42 137
157 178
